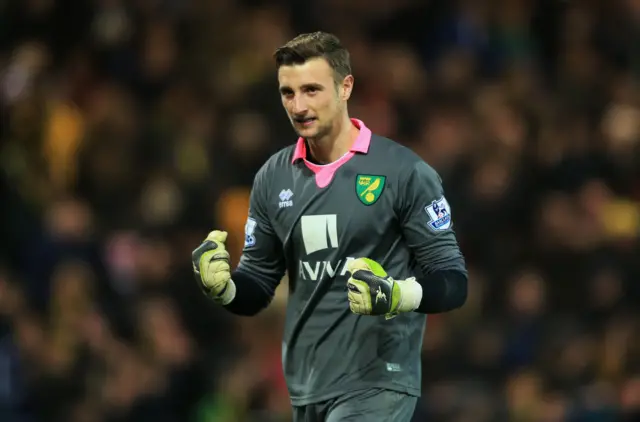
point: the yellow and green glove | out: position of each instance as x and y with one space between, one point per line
372 292
212 268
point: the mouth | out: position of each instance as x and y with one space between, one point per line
305 121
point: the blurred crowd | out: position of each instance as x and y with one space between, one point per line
130 128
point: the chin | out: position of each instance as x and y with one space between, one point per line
311 132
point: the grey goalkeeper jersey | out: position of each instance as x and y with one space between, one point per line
379 201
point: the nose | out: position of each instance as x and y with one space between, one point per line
299 105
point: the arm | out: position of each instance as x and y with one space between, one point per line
425 219
260 269
251 287
261 265
427 227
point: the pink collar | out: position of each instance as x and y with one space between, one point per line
361 144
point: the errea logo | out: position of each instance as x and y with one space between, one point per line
285 198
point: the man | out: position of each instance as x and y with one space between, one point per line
362 226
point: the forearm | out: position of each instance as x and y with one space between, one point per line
437 292
251 294
442 291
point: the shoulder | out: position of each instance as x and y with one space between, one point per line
279 161
408 163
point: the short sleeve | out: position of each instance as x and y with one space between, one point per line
427 222
262 254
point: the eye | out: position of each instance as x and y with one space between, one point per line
287 94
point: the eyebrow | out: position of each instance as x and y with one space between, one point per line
284 89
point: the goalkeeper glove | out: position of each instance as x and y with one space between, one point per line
212 268
372 292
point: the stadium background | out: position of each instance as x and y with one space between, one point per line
130 128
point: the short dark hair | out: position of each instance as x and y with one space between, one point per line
314 45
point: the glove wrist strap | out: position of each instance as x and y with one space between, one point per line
411 295
228 294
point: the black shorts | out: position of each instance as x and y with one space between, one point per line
371 405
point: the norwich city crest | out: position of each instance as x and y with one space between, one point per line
369 188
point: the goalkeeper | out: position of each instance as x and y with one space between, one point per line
362 227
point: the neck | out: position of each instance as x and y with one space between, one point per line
335 144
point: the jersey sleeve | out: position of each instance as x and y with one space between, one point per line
427 224
262 255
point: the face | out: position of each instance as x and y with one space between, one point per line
313 101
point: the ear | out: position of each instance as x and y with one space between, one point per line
346 87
